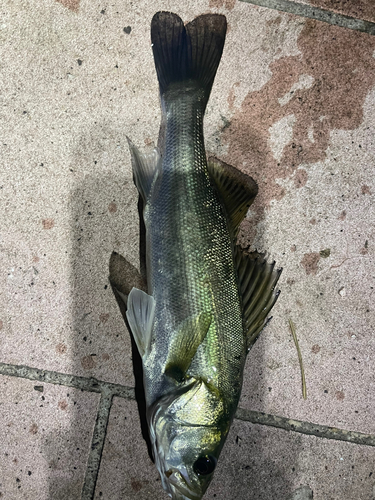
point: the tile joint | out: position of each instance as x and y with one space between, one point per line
108 390
317 13
97 445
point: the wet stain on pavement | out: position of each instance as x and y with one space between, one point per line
310 262
88 363
227 4
33 429
136 485
48 223
320 90
70 4
61 348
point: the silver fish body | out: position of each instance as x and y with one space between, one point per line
190 260
206 301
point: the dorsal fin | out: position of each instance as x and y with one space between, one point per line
236 189
257 283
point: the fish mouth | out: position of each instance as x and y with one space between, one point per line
181 487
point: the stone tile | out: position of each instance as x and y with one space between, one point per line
76 84
45 438
314 214
257 463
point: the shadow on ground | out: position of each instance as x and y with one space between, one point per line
252 466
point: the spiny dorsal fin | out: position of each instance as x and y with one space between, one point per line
188 338
236 189
257 282
140 314
123 276
145 169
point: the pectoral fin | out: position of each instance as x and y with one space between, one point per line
236 190
184 346
257 280
140 314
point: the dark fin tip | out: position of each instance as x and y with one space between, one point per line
168 38
190 52
123 275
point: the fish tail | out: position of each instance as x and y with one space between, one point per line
187 55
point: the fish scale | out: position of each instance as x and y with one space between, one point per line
187 227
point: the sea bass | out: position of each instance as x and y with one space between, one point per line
207 301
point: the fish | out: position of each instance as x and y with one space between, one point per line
207 300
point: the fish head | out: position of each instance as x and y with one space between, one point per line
188 428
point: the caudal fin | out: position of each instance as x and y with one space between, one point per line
187 53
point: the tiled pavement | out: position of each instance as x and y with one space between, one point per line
293 106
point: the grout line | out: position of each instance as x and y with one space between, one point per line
322 431
97 445
108 390
84 383
317 13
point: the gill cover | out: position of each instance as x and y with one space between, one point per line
188 431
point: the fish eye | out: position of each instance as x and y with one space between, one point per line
205 465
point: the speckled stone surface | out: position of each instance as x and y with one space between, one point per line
126 470
314 215
44 440
257 463
292 105
260 464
